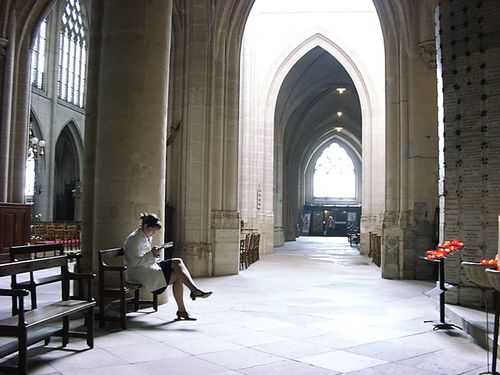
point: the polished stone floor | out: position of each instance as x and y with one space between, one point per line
314 306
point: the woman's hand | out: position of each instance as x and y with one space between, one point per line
156 251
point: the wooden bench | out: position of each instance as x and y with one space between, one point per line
25 252
114 287
20 331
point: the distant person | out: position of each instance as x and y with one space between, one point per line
330 225
155 275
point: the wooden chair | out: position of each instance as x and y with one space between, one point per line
377 256
37 231
243 255
50 232
111 269
69 238
254 247
371 247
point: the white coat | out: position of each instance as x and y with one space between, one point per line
141 263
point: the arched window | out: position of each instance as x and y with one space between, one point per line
72 55
334 175
38 57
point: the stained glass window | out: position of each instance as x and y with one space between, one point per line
334 175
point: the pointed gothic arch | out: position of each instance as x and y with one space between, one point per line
309 167
67 173
284 210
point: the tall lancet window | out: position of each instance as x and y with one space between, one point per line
72 55
334 175
38 54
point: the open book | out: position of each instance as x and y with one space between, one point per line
166 245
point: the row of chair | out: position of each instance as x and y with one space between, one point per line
249 250
50 231
67 233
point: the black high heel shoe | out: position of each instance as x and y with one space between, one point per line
183 315
199 294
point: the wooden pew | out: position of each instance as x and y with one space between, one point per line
20 331
25 252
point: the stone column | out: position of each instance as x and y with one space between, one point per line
125 149
411 141
15 83
6 71
203 142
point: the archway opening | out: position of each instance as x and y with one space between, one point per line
66 177
309 79
59 54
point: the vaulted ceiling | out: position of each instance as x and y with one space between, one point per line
308 102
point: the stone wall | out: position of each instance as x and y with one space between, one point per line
468 54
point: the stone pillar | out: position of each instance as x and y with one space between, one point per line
6 71
411 141
15 83
203 141
125 149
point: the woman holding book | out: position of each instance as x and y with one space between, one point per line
143 266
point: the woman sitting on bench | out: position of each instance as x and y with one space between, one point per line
144 268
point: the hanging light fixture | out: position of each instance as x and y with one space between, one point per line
37 146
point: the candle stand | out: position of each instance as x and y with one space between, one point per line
494 278
441 290
494 351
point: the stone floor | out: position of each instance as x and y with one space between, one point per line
314 306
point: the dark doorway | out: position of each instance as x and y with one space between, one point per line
329 221
65 176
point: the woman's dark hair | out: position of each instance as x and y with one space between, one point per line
151 220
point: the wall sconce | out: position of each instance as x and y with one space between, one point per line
339 114
338 128
340 90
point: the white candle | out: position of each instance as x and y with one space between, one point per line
498 248
497 257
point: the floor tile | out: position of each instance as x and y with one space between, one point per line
341 361
240 359
314 306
